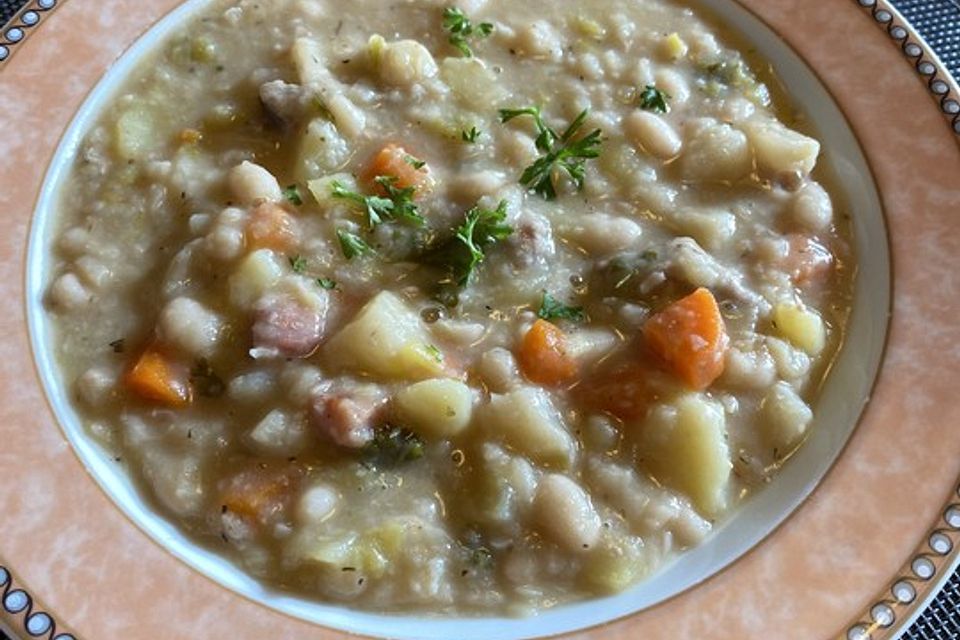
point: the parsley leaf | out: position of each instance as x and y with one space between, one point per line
551 308
461 29
463 252
392 445
352 245
327 283
481 228
653 99
402 206
435 353
398 204
414 162
292 195
298 263
376 208
470 137
560 151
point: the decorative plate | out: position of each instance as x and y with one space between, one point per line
848 543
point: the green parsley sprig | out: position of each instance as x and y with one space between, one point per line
352 245
653 99
461 29
292 195
464 251
560 151
551 309
471 136
398 205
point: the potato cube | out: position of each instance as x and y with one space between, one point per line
258 272
136 133
781 150
527 421
684 446
785 418
803 327
672 47
439 407
322 188
387 339
322 150
474 85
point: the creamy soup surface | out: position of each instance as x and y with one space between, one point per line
463 309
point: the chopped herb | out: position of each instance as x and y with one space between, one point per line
649 255
464 251
298 263
392 445
435 353
461 29
352 245
403 207
205 381
377 208
118 345
292 195
398 204
551 308
560 151
327 283
414 162
653 99
470 137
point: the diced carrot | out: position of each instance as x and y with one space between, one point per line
808 261
690 337
624 392
260 493
543 355
270 227
394 161
154 377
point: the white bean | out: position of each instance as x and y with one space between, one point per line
811 207
190 326
653 134
250 183
564 511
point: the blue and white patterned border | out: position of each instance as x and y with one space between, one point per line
16 30
17 602
941 85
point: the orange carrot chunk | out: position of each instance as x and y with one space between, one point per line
626 392
270 227
153 377
393 161
543 355
260 493
690 338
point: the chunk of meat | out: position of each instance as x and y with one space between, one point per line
808 262
531 241
285 326
283 102
348 418
686 261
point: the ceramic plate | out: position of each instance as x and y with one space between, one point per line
848 542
